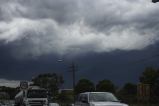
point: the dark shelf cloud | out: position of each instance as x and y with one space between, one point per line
102 35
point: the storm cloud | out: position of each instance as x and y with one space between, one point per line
39 27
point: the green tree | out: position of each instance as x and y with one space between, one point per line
66 96
150 76
50 81
128 93
10 91
105 86
84 85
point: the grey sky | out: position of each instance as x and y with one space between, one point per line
41 27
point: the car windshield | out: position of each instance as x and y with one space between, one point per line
102 97
37 94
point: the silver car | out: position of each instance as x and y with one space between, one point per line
98 99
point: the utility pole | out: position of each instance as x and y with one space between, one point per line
73 70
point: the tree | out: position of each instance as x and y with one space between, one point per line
49 81
128 93
151 76
130 89
66 96
84 85
11 92
105 86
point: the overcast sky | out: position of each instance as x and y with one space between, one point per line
102 35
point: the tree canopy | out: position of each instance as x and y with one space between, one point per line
84 85
105 86
50 81
150 76
128 93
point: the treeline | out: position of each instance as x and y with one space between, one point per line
128 93
7 93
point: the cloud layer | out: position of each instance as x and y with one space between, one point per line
9 83
77 26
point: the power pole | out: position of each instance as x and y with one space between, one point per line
73 70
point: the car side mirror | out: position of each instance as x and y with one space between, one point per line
84 101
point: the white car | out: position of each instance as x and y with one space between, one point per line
98 99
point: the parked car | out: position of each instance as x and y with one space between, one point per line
97 99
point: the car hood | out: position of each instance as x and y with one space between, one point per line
108 104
